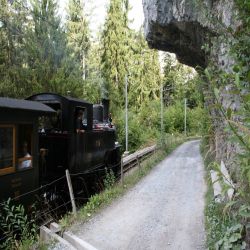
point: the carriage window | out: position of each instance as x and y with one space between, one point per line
25 146
7 149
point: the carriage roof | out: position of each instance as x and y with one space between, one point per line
24 105
56 97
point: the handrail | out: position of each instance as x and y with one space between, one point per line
138 154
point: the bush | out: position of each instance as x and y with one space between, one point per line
145 123
174 118
143 128
198 121
17 228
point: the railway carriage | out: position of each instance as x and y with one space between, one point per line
19 156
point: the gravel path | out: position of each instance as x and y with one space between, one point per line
163 211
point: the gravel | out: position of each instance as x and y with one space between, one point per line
165 210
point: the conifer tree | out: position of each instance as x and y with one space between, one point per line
180 81
144 72
53 70
46 43
78 34
116 51
93 84
13 70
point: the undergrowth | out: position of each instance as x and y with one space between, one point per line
224 224
17 229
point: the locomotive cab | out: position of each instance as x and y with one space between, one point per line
19 154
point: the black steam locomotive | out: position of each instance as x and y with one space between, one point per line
39 140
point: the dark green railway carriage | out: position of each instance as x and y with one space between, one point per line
19 156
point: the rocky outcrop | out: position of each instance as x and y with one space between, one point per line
186 28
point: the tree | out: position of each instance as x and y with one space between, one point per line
78 34
180 81
94 82
13 68
116 51
144 72
53 70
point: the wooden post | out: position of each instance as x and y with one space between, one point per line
72 198
122 178
138 163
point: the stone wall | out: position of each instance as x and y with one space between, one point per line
184 27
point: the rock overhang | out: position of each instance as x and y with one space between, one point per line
185 39
184 26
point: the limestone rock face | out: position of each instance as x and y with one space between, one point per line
182 26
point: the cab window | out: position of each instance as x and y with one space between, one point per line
80 119
7 149
25 132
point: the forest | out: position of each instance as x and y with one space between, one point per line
41 52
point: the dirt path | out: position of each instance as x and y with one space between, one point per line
163 211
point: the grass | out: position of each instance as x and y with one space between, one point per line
103 199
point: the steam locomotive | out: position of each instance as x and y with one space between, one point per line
39 141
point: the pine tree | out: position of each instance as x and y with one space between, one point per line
78 34
46 43
180 82
13 70
144 72
93 84
116 51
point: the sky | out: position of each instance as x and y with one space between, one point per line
99 11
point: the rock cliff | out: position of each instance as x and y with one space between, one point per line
183 26
186 27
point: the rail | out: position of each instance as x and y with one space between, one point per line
131 160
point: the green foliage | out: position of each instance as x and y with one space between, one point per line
143 128
144 72
226 222
109 179
116 52
126 55
93 83
197 119
224 232
48 55
13 68
17 228
78 35
34 55
180 81
174 118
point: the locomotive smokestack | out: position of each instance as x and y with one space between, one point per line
105 103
